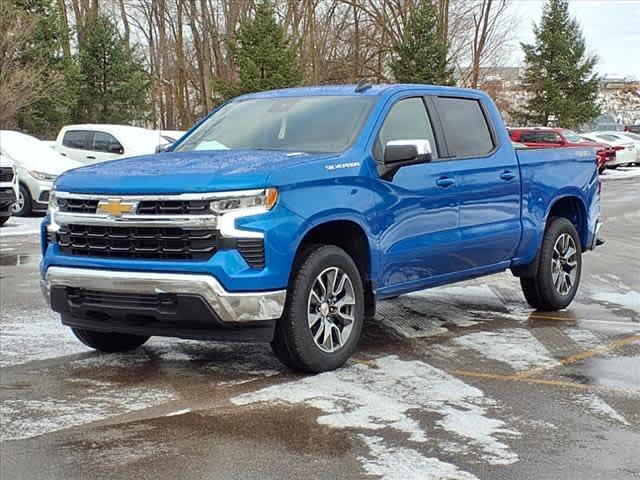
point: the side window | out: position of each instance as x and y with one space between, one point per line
465 127
550 137
77 139
407 120
105 142
529 137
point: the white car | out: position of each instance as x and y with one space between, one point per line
628 137
625 148
92 143
37 167
8 188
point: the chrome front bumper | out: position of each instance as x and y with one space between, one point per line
230 307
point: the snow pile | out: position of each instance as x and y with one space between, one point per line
384 394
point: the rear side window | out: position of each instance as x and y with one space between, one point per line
465 127
105 142
77 139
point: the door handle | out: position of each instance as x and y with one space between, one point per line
507 175
445 182
90 157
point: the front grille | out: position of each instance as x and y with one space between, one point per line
77 205
6 174
137 242
252 250
80 296
174 207
145 207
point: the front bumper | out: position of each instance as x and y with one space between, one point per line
154 303
7 199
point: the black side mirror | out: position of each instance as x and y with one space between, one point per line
116 149
401 153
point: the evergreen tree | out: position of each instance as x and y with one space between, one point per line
264 56
421 56
45 116
558 72
114 86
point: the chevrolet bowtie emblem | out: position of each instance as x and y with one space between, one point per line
115 207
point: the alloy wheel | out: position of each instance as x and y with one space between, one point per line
564 264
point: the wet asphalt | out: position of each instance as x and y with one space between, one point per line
459 382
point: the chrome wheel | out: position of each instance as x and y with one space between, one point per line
331 309
564 263
19 205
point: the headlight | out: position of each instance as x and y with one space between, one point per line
254 200
44 177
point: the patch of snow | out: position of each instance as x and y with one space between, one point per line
515 347
584 338
30 335
629 300
399 463
178 412
621 173
21 226
601 408
24 418
384 393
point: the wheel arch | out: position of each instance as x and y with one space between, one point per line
349 235
573 208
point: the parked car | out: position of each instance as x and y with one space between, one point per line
8 188
545 137
37 167
625 149
628 137
632 128
256 227
92 143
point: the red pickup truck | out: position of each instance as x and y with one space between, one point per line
544 137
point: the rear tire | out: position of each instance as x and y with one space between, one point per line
322 321
557 277
109 342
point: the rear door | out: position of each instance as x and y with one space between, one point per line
488 183
76 144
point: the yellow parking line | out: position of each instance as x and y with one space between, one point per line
540 381
581 356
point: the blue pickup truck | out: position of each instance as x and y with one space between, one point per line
284 215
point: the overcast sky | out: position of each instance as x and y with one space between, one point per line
611 29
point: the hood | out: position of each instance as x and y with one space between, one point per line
183 172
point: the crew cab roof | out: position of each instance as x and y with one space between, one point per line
350 90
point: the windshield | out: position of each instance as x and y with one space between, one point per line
298 124
572 136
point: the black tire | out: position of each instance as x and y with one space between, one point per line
540 291
26 209
109 342
3 220
293 341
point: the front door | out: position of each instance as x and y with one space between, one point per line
416 221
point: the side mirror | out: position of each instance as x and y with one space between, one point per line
401 153
163 148
116 149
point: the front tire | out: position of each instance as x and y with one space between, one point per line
557 277
324 313
23 205
109 342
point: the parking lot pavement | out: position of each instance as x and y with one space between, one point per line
460 382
